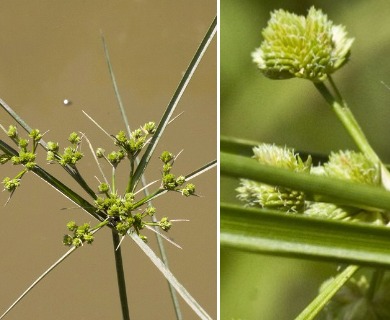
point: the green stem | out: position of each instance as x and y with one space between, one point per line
313 309
346 117
336 90
129 184
173 103
120 276
147 198
338 190
348 120
78 177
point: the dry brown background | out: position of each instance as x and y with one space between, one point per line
51 51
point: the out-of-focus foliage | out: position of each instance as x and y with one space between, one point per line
293 113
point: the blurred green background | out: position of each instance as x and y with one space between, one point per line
293 113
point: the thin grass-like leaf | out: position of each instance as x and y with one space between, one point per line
71 171
115 86
155 230
143 180
96 124
171 278
145 187
67 192
237 146
201 170
96 159
74 197
336 190
79 200
19 120
141 166
173 103
174 118
43 275
314 308
57 185
188 177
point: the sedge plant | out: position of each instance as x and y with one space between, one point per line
127 210
333 207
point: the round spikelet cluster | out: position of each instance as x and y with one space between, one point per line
255 193
308 47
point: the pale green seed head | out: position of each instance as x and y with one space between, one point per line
274 197
281 157
352 166
256 194
308 47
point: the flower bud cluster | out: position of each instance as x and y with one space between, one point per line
25 157
121 212
71 154
129 147
80 235
11 184
133 145
275 197
353 167
347 165
310 47
170 181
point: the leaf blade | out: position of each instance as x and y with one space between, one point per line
270 232
338 191
173 103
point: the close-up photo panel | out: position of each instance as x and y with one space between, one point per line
108 160
304 160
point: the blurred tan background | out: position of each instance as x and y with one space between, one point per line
51 51
293 113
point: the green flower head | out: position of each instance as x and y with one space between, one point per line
281 157
304 47
275 197
271 197
352 166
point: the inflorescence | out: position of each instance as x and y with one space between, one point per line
310 47
123 212
346 165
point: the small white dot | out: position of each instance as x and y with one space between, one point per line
67 102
